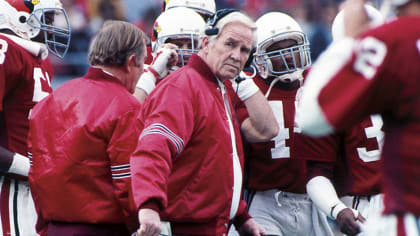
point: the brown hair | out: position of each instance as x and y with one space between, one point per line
115 42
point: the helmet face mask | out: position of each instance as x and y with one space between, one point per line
284 55
187 45
37 21
283 48
180 26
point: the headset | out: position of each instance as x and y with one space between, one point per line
211 28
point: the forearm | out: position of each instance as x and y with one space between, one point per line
261 124
322 193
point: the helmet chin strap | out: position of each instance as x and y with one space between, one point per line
287 78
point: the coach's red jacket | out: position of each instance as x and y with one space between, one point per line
81 137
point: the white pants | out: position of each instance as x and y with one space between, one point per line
387 225
283 213
368 207
17 211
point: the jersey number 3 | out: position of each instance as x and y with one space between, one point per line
373 131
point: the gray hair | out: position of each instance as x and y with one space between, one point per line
115 42
230 18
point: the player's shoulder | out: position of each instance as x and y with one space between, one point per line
395 30
13 51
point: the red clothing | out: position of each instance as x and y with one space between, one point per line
355 170
381 76
279 163
82 136
24 81
183 163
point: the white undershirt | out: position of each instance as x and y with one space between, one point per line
237 170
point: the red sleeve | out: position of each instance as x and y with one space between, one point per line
121 145
320 168
168 121
358 87
324 149
11 65
241 216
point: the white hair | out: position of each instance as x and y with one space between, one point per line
236 16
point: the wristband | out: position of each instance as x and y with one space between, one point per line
246 89
20 165
336 209
147 82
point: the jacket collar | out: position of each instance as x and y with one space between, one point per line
99 74
198 64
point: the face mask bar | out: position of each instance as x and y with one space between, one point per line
56 38
183 54
302 51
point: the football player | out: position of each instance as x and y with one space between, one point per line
206 8
26 31
375 71
175 37
275 176
355 171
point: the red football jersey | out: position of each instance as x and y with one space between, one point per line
362 149
381 76
278 164
24 81
355 170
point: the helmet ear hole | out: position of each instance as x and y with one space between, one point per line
22 19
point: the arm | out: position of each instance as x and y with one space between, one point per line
15 163
10 74
323 194
120 146
245 224
166 58
165 133
261 124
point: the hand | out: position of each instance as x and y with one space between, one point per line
165 58
149 223
356 20
347 221
250 227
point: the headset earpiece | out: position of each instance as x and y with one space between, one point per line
212 29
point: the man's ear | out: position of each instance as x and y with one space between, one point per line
131 61
205 45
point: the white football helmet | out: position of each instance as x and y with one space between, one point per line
206 8
337 28
178 23
28 18
272 28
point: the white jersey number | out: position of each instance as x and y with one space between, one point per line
280 149
3 50
373 132
369 57
38 76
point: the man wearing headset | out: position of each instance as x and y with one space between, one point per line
188 164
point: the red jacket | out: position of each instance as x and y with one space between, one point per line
183 165
81 137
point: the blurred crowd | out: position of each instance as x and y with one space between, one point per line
315 17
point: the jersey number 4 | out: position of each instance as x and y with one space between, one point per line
280 149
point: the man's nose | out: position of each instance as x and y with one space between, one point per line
236 54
